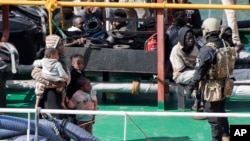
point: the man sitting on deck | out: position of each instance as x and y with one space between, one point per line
183 58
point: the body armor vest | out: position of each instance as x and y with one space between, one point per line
224 62
219 85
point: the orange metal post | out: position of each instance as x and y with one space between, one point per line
6 32
160 57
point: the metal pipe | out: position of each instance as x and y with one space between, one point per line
241 88
144 88
62 17
131 5
50 22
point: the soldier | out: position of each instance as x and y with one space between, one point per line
214 65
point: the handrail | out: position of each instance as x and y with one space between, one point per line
122 113
128 5
51 5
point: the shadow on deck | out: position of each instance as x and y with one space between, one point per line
184 138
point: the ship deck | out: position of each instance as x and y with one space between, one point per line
143 128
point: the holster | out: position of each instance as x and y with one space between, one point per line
213 90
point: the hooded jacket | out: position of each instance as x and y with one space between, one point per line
52 70
180 59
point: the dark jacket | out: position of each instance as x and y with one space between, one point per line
207 58
72 87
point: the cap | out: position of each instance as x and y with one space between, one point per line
52 41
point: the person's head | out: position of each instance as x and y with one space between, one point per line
181 1
78 22
186 38
210 27
51 53
84 84
77 62
54 41
180 17
119 13
227 35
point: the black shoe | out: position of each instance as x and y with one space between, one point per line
225 138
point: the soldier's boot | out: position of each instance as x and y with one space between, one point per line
225 138
199 108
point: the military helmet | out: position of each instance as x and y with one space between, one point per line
209 25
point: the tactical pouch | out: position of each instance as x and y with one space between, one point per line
213 91
228 87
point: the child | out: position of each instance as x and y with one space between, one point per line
84 99
52 70
76 72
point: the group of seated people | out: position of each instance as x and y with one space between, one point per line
81 23
81 28
78 27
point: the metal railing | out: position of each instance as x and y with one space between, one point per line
51 5
122 113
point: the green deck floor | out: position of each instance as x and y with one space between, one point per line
150 128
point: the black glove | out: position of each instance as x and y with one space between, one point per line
189 93
190 89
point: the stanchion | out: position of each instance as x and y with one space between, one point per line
2 90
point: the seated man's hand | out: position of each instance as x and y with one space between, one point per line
79 41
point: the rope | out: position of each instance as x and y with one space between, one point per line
135 87
92 121
137 126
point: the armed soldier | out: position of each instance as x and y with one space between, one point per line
214 65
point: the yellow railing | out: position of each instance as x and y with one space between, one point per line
164 5
50 5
